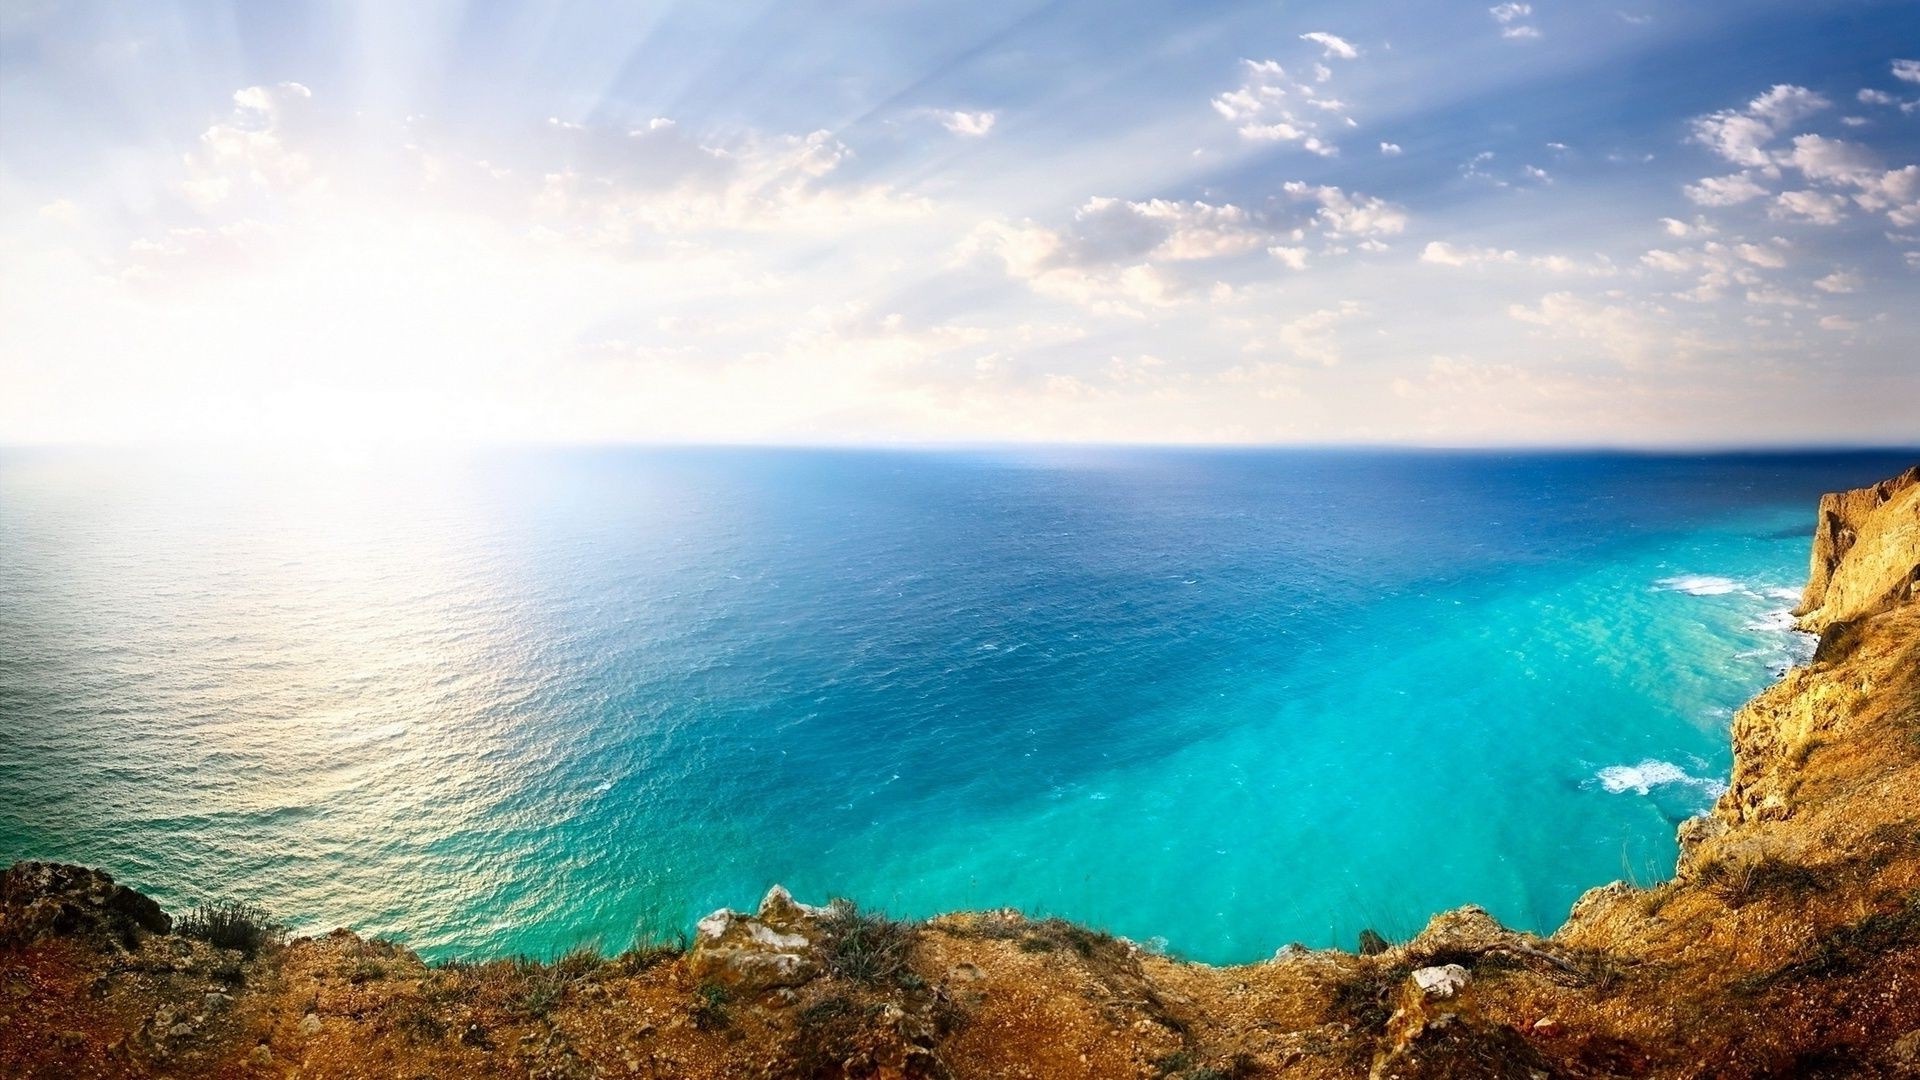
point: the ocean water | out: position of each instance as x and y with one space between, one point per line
1214 701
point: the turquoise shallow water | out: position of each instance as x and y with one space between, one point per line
1215 700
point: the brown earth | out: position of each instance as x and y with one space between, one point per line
1787 945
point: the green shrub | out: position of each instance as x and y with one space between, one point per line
710 1007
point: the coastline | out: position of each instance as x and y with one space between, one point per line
1788 941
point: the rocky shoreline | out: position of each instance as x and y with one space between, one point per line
1786 944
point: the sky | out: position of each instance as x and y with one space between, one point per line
879 222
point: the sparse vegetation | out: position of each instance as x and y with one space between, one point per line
419 1025
866 947
827 1036
1738 880
1364 998
1846 949
232 924
709 1009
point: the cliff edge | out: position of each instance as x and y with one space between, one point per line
1786 945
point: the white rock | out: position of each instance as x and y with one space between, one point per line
1443 981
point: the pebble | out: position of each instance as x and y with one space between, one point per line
310 1024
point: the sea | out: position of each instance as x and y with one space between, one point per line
510 702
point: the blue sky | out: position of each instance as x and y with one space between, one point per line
1642 224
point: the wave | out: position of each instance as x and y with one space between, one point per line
1651 773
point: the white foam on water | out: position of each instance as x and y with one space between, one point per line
1700 585
1772 621
1779 593
1651 773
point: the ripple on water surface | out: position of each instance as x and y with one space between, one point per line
519 701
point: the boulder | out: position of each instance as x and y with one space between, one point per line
778 946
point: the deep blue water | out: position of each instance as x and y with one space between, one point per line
1216 700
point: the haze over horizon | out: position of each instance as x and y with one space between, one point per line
1519 224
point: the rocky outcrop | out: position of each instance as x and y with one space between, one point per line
1788 944
1866 553
779 946
39 899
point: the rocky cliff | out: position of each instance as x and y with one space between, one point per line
1786 945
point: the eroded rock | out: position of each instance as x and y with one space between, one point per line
751 954
1442 981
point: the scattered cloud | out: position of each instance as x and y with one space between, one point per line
1350 214
970 124
1332 46
1312 337
1730 190
1812 207
1611 328
1512 19
1444 254
1271 106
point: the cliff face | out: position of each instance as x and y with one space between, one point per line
1866 553
1787 944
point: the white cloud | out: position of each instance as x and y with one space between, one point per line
1896 191
1343 214
1838 322
1271 106
1390 149
1445 254
1332 45
1877 97
1840 281
257 149
1785 103
1809 206
1741 135
1697 227
1907 70
1821 158
1729 190
1775 297
971 124
1294 258
1769 255
1311 336
1614 329
1510 16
